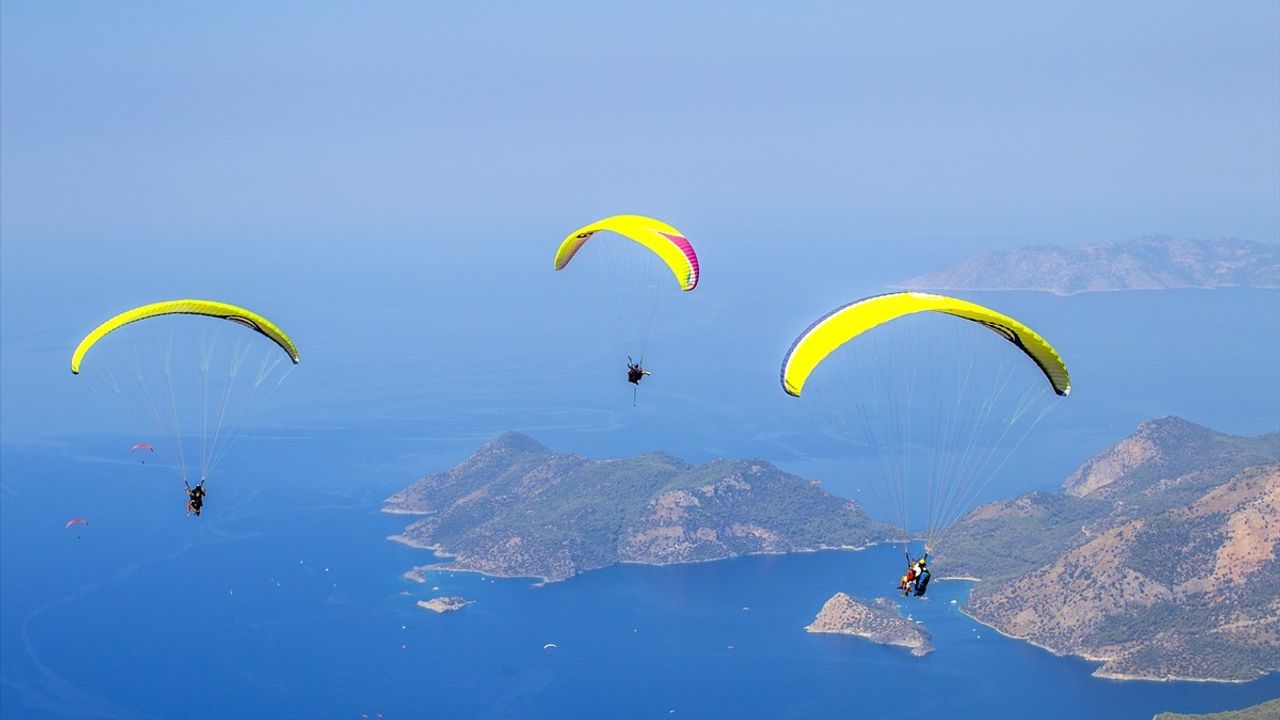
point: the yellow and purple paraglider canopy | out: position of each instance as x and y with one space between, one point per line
666 242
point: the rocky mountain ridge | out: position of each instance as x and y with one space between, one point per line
1159 559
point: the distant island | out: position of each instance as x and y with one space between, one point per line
1158 560
1269 710
515 508
444 604
1152 263
877 621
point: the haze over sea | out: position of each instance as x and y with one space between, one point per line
389 184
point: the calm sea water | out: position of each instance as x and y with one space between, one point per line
287 601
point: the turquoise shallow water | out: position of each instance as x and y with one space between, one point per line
282 603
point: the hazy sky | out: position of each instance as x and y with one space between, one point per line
1072 120
333 162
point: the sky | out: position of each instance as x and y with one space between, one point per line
147 120
369 168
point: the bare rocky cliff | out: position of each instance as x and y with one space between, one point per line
1168 457
1185 594
1159 561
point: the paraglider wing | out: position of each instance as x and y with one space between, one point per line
847 322
76 521
666 242
209 308
142 446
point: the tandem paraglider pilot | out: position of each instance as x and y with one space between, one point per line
195 499
916 581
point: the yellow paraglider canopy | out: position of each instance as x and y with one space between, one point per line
209 308
847 322
666 242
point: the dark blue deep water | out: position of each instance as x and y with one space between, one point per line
286 600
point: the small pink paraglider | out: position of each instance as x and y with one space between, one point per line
143 446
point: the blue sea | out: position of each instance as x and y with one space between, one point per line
286 600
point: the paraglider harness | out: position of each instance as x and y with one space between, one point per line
917 578
635 373
195 497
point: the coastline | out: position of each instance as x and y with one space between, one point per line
417 572
915 650
762 553
1098 672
